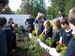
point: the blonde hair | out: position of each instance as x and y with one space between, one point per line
47 22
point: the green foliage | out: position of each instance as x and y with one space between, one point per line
49 41
18 11
63 52
32 47
41 37
31 7
7 11
37 52
60 4
19 31
61 49
58 47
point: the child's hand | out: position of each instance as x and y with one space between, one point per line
60 43
43 33
57 42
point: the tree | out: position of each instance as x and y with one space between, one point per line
8 11
26 7
32 7
61 4
68 5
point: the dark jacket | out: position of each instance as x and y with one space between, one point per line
66 36
13 40
71 48
49 32
30 24
3 43
56 38
9 38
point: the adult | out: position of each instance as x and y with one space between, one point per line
41 14
61 14
39 22
71 47
10 21
30 25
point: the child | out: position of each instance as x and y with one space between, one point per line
56 31
71 47
66 32
48 30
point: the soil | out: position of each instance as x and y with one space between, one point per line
19 52
45 53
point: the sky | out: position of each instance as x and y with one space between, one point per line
47 3
15 4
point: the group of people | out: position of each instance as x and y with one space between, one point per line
64 33
7 32
7 36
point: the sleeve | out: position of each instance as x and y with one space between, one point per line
56 36
36 21
49 33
